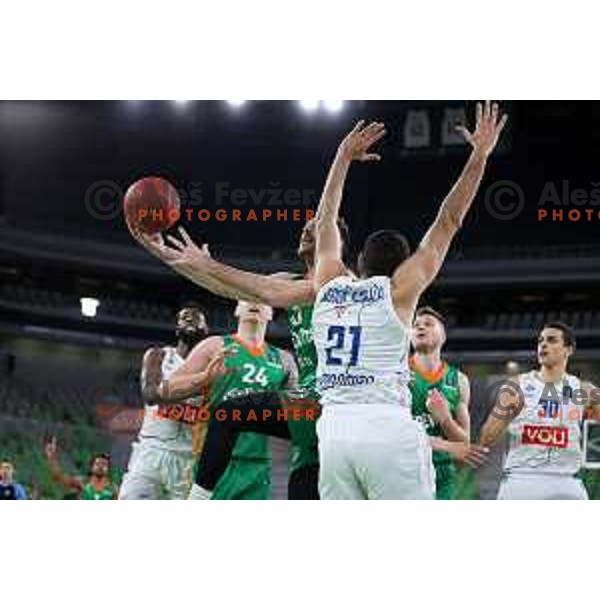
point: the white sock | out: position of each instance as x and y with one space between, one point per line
199 493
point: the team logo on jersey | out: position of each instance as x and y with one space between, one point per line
340 311
549 437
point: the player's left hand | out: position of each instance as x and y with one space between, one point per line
356 145
437 405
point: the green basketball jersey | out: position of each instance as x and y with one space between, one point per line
300 324
257 369
89 492
305 449
446 381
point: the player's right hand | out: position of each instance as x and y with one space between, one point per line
356 145
154 243
469 454
188 253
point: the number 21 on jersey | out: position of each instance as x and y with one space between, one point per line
342 337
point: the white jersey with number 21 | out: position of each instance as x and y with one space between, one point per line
361 344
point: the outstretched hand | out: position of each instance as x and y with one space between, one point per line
180 255
356 145
488 126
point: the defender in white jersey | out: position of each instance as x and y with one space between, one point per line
543 412
161 460
369 445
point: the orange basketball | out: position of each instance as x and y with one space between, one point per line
152 205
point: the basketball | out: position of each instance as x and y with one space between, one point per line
152 205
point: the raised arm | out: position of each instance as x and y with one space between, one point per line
415 274
354 146
67 481
196 264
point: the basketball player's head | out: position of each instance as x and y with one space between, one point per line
307 246
191 326
100 465
556 343
382 253
253 313
429 330
6 472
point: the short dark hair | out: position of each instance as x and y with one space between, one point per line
95 457
382 252
191 305
567 332
429 310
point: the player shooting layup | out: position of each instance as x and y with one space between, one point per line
296 294
369 445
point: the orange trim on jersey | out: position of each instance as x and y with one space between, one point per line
429 376
99 486
253 350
